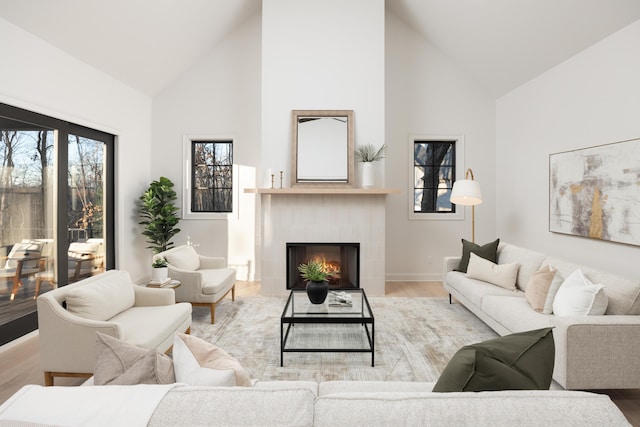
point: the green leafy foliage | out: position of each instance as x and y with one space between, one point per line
368 153
313 271
160 263
159 214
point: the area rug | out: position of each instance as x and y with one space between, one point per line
414 340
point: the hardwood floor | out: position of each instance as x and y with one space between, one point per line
21 359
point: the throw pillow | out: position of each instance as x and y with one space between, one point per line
121 363
521 361
503 275
198 362
551 294
184 258
488 251
577 296
101 299
538 287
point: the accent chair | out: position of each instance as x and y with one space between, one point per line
204 280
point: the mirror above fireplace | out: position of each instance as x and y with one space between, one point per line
322 148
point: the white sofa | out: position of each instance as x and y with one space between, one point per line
592 352
70 316
205 280
300 403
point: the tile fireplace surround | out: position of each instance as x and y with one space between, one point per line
322 215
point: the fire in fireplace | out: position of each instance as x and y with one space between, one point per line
341 262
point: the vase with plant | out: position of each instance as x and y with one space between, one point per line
314 273
160 270
367 154
159 214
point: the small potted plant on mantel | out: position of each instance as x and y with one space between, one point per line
314 274
367 154
159 271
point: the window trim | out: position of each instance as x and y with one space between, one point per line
458 215
187 161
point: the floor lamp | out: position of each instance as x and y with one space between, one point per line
466 192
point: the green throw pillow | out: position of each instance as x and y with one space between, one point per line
488 251
521 361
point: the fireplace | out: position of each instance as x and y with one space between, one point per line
342 262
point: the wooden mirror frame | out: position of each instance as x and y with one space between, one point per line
349 181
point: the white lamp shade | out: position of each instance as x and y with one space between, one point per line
466 192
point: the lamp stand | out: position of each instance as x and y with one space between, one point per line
473 224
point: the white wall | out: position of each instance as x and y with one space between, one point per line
320 55
426 94
46 80
590 99
219 95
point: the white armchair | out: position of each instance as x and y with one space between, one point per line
70 316
205 280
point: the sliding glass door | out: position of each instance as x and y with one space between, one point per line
56 211
85 215
27 237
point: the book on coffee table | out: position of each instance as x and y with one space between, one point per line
340 299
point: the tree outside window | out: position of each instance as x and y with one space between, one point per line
212 176
434 165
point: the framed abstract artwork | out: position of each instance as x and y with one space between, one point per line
595 192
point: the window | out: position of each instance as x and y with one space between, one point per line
209 177
434 162
56 210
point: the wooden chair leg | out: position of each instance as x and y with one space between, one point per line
233 292
16 280
38 283
213 312
14 289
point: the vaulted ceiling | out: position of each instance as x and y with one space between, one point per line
147 43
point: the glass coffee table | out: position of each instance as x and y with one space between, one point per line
332 327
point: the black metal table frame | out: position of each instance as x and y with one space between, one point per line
323 318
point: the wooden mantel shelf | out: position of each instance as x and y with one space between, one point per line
336 191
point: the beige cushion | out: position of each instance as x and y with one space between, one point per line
217 280
120 363
503 275
577 296
185 258
623 293
212 362
551 293
151 326
101 299
538 287
529 261
188 369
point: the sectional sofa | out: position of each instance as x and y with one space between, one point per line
301 403
592 352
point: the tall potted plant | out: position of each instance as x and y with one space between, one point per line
159 214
